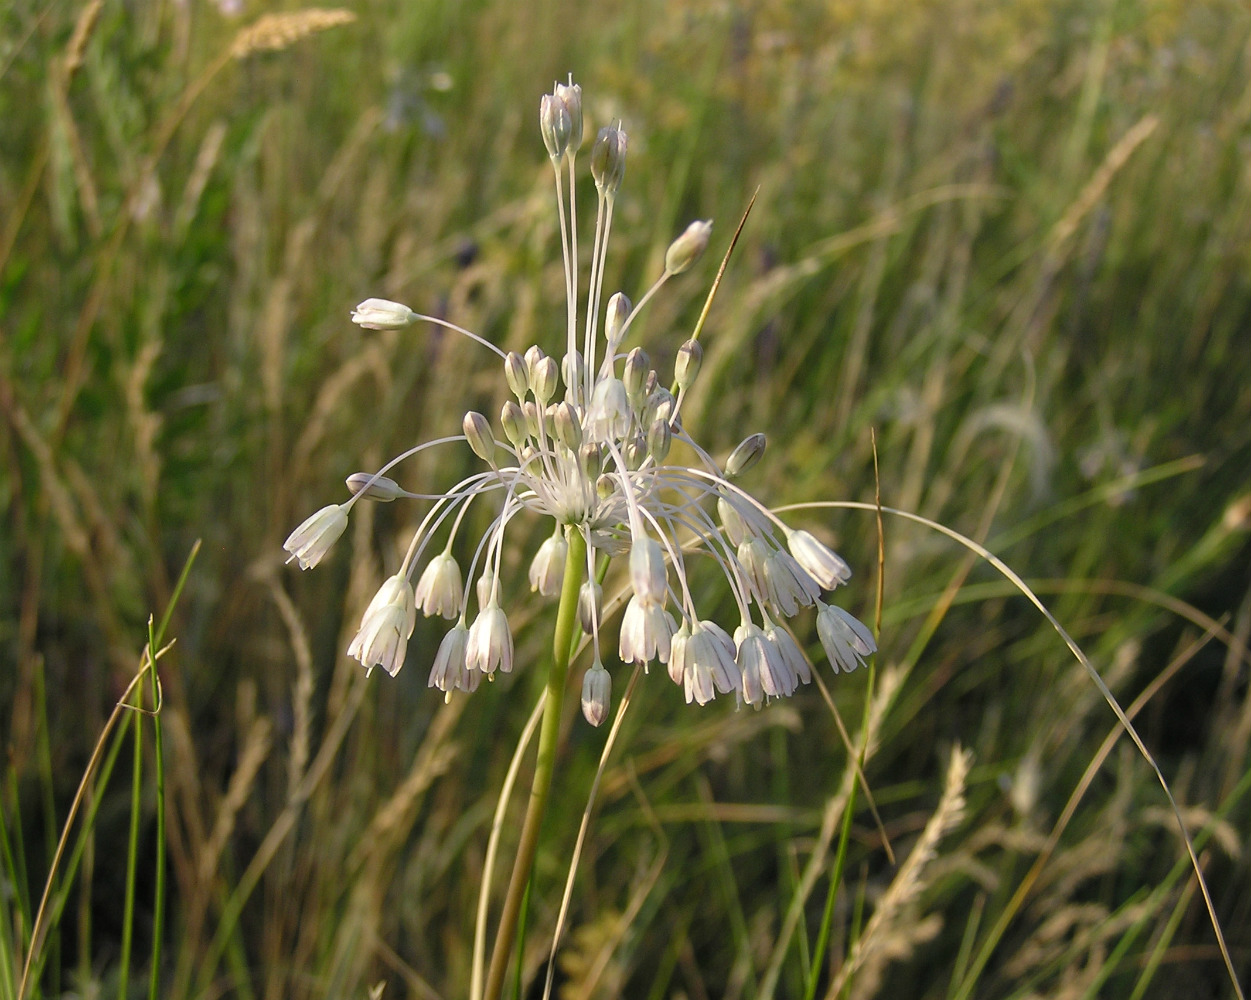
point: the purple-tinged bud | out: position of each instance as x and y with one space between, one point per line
517 374
608 156
615 316
596 694
688 248
371 488
478 434
686 366
571 94
745 455
556 125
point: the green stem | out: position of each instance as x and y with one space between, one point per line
566 622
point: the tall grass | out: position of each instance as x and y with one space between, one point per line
1009 239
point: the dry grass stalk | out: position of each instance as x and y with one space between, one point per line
205 159
889 682
302 696
73 59
892 931
145 424
275 32
255 750
1099 182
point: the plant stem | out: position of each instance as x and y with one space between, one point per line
566 622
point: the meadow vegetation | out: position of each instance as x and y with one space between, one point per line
1007 242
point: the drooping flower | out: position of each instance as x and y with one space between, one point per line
382 640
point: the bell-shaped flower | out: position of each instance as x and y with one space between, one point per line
439 589
821 562
646 632
844 637
490 641
547 570
382 639
450 671
313 538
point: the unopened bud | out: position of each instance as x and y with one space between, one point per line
687 248
517 374
608 157
533 356
568 430
531 410
571 370
745 455
731 522
605 486
571 94
634 452
478 434
659 440
513 420
635 375
556 124
590 600
686 366
596 694
543 379
383 314
379 488
590 458
614 320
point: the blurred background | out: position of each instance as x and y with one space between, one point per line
1010 239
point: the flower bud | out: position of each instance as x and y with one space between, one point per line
659 440
383 314
608 156
380 488
687 248
513 420
556 125
478 434
543 379
534 354
547 570
567 429
590 601
571 369
596 694
731 522
648 576
517 374
686 366
531 410
571 94
614 320
590 458
745 455
635 375
605 486
608 418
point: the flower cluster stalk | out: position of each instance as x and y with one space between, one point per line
549 735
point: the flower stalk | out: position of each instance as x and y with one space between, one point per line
549 735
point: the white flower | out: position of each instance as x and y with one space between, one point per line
845 639
490 641
382 639
825 565
439 590
703 662
450 671
646 632
647 570
312 539
547 571
383 314
596 694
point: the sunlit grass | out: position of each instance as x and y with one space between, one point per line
1010 239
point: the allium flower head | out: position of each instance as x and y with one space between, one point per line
583 441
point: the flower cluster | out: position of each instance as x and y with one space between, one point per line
586 443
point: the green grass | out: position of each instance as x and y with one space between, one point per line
1009 239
